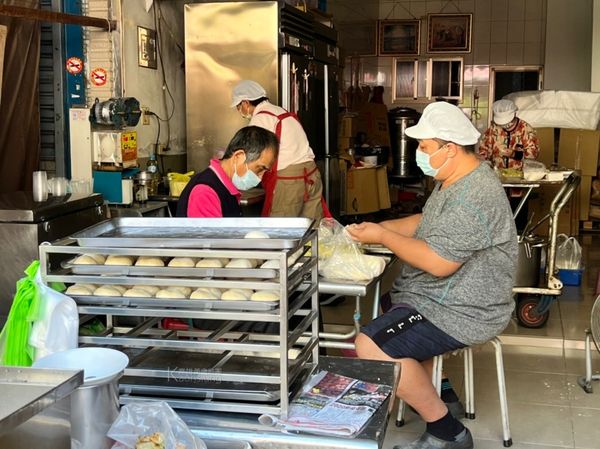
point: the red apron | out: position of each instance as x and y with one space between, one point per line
270 178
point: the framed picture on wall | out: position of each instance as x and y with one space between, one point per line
398 37
449 33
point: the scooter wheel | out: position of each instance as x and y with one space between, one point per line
528 316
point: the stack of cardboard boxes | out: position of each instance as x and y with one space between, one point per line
577 150
366 188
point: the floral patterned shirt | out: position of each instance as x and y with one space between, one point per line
498 145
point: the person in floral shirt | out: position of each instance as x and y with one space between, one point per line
509 140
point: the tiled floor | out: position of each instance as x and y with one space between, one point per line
547 408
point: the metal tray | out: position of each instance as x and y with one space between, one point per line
237 391
374 248
122 270
196 304
224 233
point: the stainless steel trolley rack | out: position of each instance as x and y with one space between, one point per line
225 369
533 303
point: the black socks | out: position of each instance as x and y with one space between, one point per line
445 428
448 394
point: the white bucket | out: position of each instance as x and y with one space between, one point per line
95 404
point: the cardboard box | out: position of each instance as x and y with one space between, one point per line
367 190
585 194
547 142
383 188
578 149
373 120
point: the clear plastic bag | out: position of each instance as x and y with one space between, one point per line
57 328
568 253
152 420
341 258
533 170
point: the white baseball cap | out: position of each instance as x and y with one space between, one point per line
444 121
246 90
504 111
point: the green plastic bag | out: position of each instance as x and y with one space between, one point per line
14 346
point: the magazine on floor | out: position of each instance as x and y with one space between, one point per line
331 404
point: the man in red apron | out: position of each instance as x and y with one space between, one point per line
293 187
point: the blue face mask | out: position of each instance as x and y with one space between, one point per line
246 182
424 164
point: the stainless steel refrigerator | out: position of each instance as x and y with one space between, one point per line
280 47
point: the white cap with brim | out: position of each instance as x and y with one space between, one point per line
246 90
444 121
504 111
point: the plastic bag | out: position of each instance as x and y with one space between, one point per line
533 170
41 321
14 347
57 326
568 253
178 181
340 256
152 419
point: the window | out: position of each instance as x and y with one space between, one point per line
426 79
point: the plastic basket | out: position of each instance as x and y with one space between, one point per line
570 277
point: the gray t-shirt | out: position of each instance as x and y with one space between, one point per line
469 222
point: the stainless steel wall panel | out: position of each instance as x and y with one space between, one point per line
225 43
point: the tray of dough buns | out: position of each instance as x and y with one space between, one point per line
188 267
208 233
202 298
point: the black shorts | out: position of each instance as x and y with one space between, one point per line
404 333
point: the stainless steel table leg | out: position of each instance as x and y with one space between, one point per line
376 299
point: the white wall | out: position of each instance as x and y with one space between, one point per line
568 63
147 84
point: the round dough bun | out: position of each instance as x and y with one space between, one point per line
265 295
107 290
210 263
118 260
120 288
152 289
85 259
149 261
99 258
236 294
170 294
205 293
241 263
257 235
137 293
182 262
79 290
185 290
272 263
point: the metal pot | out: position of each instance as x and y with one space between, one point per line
403 147
528 264
149 181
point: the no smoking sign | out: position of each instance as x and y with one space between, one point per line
98 77
74 65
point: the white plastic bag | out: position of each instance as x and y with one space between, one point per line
340 256
568 253
58 326
155 419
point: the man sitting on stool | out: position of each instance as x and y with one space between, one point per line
455 287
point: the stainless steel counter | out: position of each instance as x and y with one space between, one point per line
234 427
27 391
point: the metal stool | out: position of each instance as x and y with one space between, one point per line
467 354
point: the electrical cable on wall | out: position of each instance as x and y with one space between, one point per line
166 90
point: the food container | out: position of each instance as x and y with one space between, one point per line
95 404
